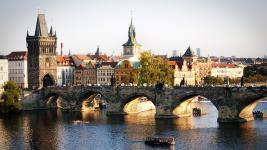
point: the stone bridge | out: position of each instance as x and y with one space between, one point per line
234 104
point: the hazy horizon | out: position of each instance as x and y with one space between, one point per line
218 28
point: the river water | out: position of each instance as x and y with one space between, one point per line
53 129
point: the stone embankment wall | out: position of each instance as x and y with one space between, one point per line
32 100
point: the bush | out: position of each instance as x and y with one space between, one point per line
10 97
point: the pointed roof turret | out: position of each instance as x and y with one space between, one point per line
41 27
69 52
189 53
51 31
27 32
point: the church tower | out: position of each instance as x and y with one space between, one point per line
190 57
131 48
42 64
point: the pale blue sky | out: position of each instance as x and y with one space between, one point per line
218 27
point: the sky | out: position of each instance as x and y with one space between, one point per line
217 27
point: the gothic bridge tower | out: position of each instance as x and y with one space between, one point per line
42 65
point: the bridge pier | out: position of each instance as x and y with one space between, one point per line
229 114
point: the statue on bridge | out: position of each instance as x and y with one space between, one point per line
182 83
159 86
242 81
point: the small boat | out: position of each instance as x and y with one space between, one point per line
160 141
79 122
103 105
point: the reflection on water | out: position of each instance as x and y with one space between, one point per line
54 130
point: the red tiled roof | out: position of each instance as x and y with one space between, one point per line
64 61
18 55
82 57
219 65
173 63
99 57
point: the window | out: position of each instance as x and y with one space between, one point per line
47 62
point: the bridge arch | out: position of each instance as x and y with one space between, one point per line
245 112
88 96
53 100
133 96
182 107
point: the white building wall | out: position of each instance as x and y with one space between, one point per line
18 72
227 72
65 75
104 75
3 73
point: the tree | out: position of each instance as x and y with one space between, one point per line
153 70
213 80
11 98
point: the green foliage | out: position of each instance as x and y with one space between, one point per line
213 80
256 78
253 70
253 74
154 69
11 98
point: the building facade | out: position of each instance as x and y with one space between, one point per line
18 69
182 71
105 72
42 64
65 71
124 71
85 70
227 70
3 72
85 75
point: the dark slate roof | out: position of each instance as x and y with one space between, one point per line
131 36
112 64
41 27
176 58
3 57
189 53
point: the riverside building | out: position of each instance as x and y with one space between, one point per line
17 68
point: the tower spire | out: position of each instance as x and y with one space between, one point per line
97 50
27 32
